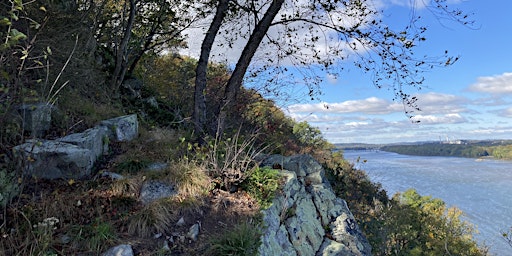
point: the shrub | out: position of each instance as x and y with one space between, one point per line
262 185
230 160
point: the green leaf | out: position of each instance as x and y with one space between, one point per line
14 16
5 21
17 35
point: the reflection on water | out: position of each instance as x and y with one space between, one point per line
482 189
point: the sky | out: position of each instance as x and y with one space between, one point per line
471 99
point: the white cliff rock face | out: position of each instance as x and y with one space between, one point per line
307 218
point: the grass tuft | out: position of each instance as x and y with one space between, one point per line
244 240
154 218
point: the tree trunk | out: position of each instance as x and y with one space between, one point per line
122 50
199 115
236 79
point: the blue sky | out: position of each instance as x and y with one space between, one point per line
468 100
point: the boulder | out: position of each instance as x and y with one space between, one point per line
120 250
123 128
153 190
36 118
94 139
53 159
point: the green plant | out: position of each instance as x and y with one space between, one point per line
244 240
9 187
96 236
230 160
262 184
43 232
132 166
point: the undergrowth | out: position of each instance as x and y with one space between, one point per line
262 184
242 240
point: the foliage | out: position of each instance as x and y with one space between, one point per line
230 161
242 240
439 149
262 184
422 225
502 152
97 236
307 135
349 30
408 224
9 187
132 166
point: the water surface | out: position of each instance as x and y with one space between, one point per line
482 189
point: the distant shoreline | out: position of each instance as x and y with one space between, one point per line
487 149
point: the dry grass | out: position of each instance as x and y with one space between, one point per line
191 179
127 187
156 217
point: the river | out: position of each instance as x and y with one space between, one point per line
482 189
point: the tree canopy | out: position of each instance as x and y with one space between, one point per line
323 34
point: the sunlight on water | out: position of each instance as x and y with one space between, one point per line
482 189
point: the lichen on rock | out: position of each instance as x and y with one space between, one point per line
307 218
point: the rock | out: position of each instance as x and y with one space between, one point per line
304 228
94 139
120 250
333 248
36 118
153 190
328 205
180 222
54 160
306 205
112 175
157 167
151 101
133 88
305 166
346 231
193 232
123 128
73 156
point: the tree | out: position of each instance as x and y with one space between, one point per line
132 28
199 115
348 29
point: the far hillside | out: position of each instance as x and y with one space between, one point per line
500 149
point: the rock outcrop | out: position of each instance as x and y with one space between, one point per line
73 156
307 218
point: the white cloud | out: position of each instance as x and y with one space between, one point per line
498 84
370 105
507 112
443 119
440 103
